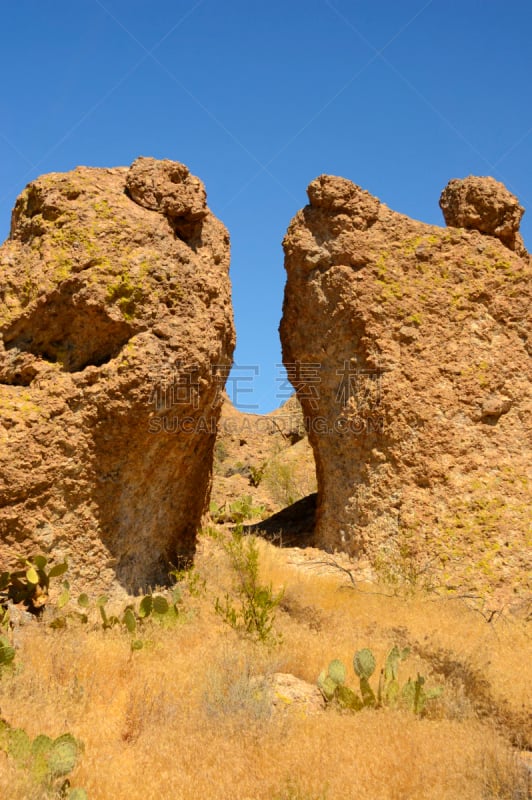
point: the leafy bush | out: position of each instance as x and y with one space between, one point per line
238 511
253 613
282 483
256 474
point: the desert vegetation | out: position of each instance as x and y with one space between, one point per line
169 695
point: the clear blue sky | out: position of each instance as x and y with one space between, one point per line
258 98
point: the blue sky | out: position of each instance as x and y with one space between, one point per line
258 99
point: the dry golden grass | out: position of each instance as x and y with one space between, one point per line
182 720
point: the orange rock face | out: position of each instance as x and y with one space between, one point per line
408 345
116 334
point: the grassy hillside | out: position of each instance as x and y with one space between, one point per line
190 714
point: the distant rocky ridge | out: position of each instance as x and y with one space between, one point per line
115 324
409 347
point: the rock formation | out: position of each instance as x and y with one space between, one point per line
485 205
116 336
408 345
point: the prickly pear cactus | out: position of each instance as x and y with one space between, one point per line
7 653
146 606
391 693
420 697
337 671
347 698
129 620
368 696
391 665
19 746
389 688
327 686
415 697
412 695
78 794
160 605
63 755
364 663
40 750
46 759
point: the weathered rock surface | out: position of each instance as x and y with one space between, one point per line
291 694
409 348
485 205
115 325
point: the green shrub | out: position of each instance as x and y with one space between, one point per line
237 512
256 474
251 608
282 483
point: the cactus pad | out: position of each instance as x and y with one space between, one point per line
78 794
63 755
146 606
7 653
347 698
19 746
129 620
364 663
160 605
368 696
337 671
327 686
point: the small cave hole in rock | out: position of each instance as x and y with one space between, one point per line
69 331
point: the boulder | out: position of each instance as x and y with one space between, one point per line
485 205
289 694
116 335
294 694
408 346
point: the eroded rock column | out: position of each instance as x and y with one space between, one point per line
408 346
116 335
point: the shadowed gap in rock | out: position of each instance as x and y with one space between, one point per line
291 527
